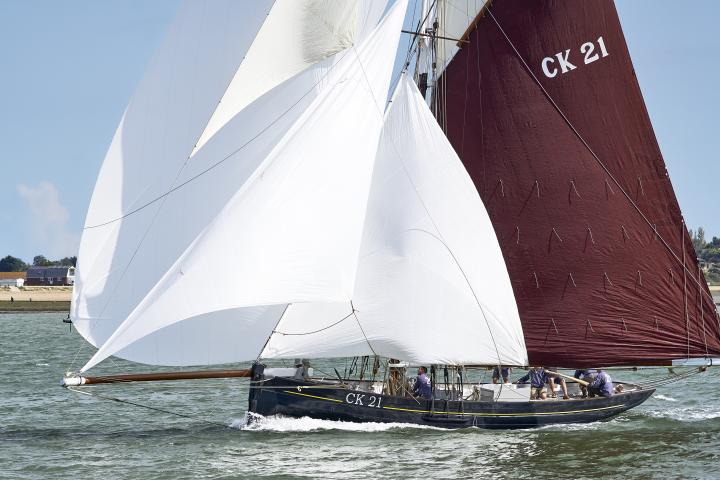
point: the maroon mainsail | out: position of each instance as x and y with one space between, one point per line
544 109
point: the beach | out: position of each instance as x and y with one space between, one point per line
35 299
57 299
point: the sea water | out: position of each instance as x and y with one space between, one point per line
50 432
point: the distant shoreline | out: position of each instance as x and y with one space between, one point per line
34 306
57 299
35 299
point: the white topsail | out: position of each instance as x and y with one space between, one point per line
295 35
215 227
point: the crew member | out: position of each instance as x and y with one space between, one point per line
422 387
502 371
602 385
553 378
586 374
538 378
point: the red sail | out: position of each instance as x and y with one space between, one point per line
544 109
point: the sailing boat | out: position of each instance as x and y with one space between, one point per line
262 200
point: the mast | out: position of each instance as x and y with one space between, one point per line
544 109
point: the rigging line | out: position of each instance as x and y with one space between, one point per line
472 290
671 379
316 331
417 30
589 149
272 332
465 104
149 407
83 345
219 162
354 314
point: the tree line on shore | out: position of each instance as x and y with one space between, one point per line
708 254
14 264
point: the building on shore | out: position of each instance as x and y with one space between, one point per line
50 276
13 279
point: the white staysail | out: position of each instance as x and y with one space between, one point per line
269 212
432 286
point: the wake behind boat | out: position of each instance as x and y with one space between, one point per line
508 207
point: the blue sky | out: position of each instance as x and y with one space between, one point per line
68 70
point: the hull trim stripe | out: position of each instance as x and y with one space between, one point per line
529 414
313 396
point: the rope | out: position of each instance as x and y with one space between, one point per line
149 407
672 378
593 154
318 330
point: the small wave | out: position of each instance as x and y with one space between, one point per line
278 423
686 414
666 398
42 364
576 427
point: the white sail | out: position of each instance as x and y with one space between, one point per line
120 258
295 35
432 286
276 219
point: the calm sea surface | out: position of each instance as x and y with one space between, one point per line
49 432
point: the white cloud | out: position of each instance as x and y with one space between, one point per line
48 221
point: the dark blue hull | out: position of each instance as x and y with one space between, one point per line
284 396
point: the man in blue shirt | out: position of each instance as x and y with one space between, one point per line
422 387
602 385
538 378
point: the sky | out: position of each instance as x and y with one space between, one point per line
68 70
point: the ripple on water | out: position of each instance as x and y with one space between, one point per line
49 432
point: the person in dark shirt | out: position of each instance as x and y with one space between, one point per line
502 371
538 378
422 387
602 385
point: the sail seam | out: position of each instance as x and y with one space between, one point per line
592 152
